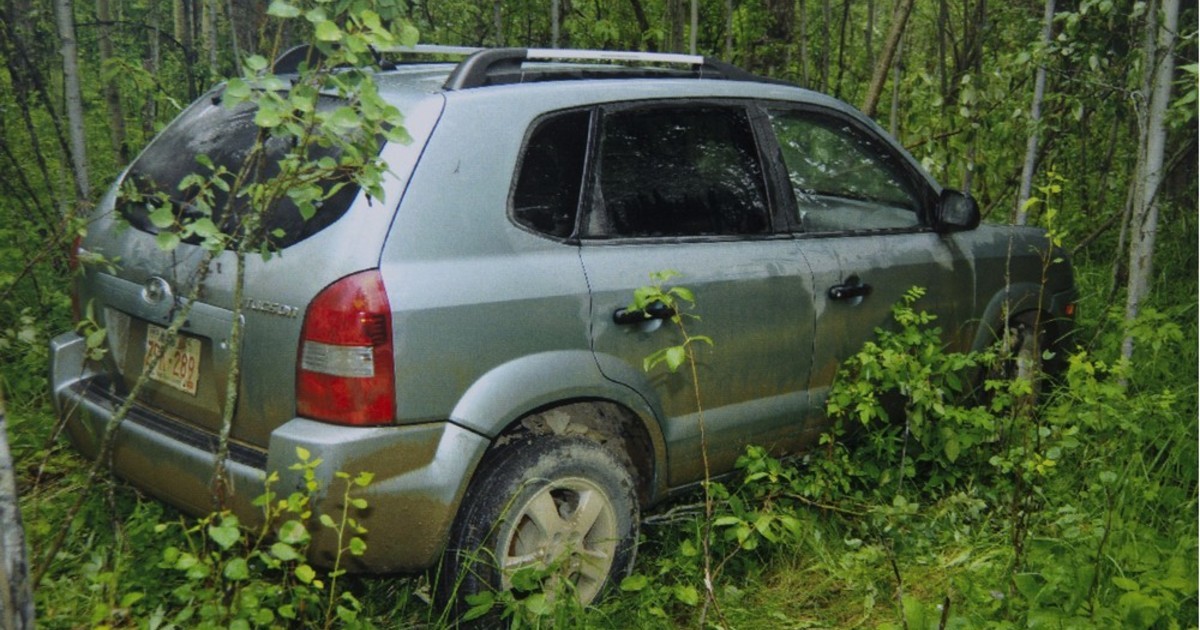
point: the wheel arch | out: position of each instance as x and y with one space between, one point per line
565 392
1006 305
1017 301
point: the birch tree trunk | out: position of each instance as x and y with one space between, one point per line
74 98
695 27
869 34
729 30
498 21
674 26
555 16
894 115
183 25
16 595
151 64
1159 68
895 32
112 94
804 76
233 34
1035 119
208 30
826 44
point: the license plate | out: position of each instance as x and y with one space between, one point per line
180 363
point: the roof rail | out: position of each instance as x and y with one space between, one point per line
487 66
478 69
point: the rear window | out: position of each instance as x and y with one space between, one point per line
226 135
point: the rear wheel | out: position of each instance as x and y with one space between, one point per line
561 511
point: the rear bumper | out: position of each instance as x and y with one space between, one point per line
420 471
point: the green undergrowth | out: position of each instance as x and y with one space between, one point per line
936 506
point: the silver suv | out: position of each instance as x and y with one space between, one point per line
469 342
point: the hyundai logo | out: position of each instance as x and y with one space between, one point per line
155 290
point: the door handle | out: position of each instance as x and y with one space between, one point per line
654 310
849 290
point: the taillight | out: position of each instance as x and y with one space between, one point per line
345 373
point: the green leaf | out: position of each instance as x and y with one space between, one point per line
227 534
282 9
237 90
268 116
205 228
409 35
293 533
675 357
284 552
328 521
687 594
305 573
1125 583
237 569
357 546
952 449
162 217
327 31
480 604
344 120
317 15
634 583
167 241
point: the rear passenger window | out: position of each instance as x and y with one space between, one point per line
843 179
678 171
546 196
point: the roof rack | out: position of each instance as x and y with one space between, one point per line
492 66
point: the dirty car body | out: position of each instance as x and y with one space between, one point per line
514 229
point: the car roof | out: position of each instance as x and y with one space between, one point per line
408 72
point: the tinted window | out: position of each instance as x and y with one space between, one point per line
842 178
226 137
547 193
673 171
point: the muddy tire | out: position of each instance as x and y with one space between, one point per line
1021 358
565 507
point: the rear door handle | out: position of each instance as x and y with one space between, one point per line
655 310
849 290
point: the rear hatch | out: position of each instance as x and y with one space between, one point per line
138 296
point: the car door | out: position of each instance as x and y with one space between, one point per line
862 220
681 187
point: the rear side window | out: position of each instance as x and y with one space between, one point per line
678 171
226 137
546 197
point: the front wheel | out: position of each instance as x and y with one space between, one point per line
562 511
1021 362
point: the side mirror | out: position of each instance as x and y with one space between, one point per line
955 212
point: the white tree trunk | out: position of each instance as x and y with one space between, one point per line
112 94
1159 69
895 32
695 26
16 596
1035 120
74 98
555 16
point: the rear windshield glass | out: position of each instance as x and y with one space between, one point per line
226 135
